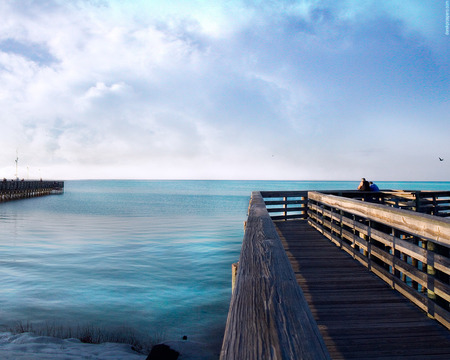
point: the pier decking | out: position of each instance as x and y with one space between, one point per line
342 275
358 314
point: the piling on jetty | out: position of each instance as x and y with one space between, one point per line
22 189
295 298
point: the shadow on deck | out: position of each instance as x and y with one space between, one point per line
358 314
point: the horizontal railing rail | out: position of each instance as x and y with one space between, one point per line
408 250
429 202
434 202
286 205
269 317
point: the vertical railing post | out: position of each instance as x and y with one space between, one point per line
435 206
431 272
322 207
304 206
395 254
369 246
417 201
415 263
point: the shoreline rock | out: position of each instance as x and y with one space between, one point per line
186 350
163 352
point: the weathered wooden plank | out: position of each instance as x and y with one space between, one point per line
359 316
289 217
429 227
285 202
436 286
268 318
282 193
438 262
292 209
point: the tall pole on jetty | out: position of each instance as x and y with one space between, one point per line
17 163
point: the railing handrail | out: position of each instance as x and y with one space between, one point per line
408 250
269 317
425 201
435 229
289 204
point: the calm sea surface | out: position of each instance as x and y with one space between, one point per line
152 255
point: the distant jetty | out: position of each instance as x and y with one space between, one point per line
22 189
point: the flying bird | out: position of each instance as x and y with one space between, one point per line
441 159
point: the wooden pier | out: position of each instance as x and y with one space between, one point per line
342 275
16 190
358 314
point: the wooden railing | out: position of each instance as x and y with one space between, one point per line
428 202
269 317
408 250
434 202
286 205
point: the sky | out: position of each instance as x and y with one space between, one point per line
225 89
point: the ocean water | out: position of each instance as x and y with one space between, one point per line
154 256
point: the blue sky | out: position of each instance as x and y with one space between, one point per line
289 90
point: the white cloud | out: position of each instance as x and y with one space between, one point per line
213 90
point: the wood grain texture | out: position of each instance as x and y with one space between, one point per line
392 251
359 316
430 227
269 317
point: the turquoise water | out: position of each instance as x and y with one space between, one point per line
152 255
